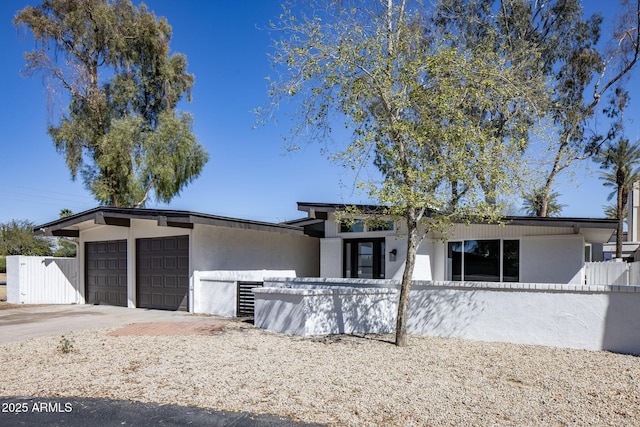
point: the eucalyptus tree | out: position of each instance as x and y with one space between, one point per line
621 164
120 132
403 89
580 69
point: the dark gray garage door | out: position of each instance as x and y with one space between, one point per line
106 272
163 272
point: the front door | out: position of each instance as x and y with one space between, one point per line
364 258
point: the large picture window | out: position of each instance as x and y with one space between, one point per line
364 258
484 260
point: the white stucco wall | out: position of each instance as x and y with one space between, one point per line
423 265
222 248
558 315
339 310
569 316
551 259
331 257
215 292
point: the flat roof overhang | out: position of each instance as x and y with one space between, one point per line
121 217
594 230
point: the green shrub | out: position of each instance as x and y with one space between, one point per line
66 345
3 265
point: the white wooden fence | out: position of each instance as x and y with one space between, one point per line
612 273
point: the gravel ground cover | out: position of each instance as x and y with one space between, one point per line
338 380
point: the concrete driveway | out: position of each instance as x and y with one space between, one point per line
33 321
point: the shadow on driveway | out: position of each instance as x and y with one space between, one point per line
72 412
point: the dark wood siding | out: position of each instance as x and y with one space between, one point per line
162 274
106 272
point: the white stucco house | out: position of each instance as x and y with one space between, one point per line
148 258
521 282
524 249
155 258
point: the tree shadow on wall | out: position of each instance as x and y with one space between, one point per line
435 311
352 312
443 311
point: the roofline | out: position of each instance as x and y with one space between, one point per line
107 215
510 220
332 207
303 221
562 221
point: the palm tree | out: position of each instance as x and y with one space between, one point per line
621 162
533 203
611 211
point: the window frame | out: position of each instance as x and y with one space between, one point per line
361 226
379 257
449 268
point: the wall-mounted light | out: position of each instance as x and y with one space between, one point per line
393 254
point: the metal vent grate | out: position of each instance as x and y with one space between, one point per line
246 298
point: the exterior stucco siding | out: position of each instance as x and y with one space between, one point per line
552 259
558 315
220 248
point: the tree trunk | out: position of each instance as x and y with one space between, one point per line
621 206
546 191
405 288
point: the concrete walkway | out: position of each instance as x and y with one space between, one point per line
34 321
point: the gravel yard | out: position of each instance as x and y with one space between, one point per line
339 380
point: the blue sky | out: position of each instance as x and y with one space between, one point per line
249 174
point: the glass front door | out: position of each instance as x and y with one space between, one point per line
364 258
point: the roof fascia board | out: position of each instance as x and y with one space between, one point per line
245 224
181 219
178 224
64 233
108 219
564 222
314 208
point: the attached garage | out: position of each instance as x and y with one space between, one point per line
149 258
106 272
162 273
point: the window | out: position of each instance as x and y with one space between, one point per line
510 260
381 226
364 258
355 227
484 260
359 226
